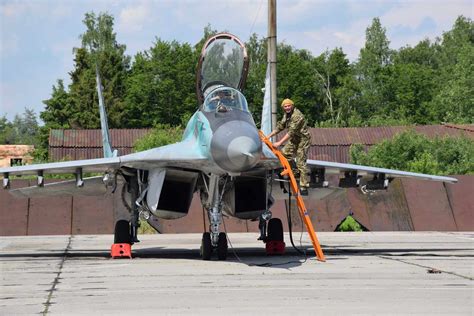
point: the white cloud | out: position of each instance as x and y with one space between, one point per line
62 10
133 18
12 9
351 39
412 13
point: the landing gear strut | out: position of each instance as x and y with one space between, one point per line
214 239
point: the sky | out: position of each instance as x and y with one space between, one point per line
38 36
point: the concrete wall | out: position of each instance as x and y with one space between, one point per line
408 205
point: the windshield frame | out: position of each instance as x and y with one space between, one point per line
214 101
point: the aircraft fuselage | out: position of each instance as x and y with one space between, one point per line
226 135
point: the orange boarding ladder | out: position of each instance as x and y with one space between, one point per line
296 192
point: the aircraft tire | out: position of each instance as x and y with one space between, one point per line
206 246
122 232
222 246
275 230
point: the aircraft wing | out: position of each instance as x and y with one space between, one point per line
93 186
88 165
365 171
174 155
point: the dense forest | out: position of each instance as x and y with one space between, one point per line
429 83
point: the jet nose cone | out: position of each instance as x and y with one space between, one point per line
243 151
236 146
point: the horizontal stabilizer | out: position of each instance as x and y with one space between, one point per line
93 186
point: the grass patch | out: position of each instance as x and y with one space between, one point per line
349 224
146 228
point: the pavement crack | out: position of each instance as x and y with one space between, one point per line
48 303
428 267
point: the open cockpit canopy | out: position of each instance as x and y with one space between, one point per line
223 63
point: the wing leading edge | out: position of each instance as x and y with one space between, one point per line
174 155
336 167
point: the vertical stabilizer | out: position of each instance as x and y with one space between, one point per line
103 120
266 125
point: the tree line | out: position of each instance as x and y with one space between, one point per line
429 83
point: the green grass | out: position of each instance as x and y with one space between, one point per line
349 224
145 228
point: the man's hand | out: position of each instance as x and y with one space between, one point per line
281 141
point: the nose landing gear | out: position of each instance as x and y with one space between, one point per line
207 247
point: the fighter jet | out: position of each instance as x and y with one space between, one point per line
220 156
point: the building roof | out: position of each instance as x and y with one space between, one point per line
330 144
74 144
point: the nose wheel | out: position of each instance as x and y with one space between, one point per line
207 248
222 247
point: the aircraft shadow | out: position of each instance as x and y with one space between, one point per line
250 256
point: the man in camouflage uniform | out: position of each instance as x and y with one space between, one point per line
299 140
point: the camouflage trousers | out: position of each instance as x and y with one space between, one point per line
299 150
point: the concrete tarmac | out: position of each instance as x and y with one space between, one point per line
383 273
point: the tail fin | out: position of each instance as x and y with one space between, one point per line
266 125
103 120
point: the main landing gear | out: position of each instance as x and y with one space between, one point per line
271 234
274 244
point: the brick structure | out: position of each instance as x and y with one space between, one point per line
15 155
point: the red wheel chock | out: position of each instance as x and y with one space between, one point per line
121 251
275 247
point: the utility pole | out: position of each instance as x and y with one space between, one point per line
272 58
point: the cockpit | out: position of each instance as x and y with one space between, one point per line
225 99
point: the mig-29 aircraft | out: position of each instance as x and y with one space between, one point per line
220 156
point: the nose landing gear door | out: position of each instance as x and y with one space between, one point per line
223 62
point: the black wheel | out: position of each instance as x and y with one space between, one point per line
122 232
206 246
222 246
275 230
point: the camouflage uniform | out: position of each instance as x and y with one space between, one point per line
298 143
